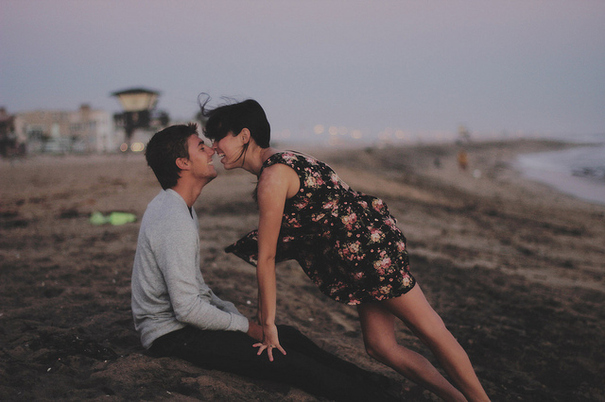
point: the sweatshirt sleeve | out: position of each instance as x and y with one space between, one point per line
224 305
192 300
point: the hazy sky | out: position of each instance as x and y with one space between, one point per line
419 66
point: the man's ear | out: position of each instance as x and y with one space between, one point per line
182 163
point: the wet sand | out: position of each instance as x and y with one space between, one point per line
515 269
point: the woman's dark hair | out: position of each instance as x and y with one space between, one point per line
233 118
164 148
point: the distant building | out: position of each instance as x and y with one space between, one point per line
94 131
10 145
54 131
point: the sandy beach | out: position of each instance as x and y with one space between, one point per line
515 269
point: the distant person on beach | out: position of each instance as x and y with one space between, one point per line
177 314
346 242
462 159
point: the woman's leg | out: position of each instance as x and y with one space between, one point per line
378 327
414 310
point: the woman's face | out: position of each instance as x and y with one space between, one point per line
229 149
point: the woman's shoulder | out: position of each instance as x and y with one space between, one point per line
280 171
293 159
283 161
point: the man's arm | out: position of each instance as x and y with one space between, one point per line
255 331
224 304
189 295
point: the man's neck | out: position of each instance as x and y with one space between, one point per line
189 191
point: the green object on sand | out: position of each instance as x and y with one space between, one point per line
114 218
97 218
120 218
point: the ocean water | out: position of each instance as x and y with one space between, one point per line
578 171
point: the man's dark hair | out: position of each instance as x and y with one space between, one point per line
164 148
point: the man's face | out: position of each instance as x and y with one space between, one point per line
200 156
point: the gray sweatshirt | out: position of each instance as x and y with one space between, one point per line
168 290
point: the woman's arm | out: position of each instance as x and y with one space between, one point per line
276 184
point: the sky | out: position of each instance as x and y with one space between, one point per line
407 69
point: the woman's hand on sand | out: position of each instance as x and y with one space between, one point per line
270 342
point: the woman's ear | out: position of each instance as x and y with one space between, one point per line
245 135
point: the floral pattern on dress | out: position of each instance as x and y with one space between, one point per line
347 242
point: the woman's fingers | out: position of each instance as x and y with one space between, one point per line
261 347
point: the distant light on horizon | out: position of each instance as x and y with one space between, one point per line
357 134
137 147
343 136
401 135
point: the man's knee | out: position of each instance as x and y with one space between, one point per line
291 336
288 330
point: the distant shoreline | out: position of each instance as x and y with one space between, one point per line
557 170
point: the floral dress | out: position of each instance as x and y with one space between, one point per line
346 241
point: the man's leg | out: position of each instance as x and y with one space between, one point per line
293 339
232 351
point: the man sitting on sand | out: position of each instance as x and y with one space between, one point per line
177 314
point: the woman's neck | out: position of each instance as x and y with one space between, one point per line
256 157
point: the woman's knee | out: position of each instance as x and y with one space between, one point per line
433 333
378 349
